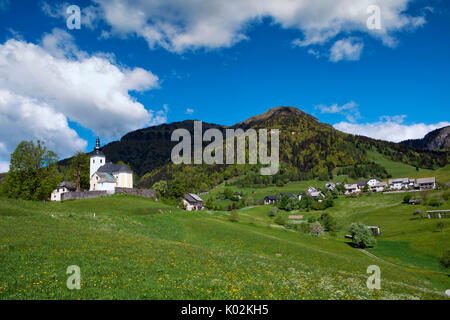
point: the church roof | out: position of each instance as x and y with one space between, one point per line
97 153
114 168
105 177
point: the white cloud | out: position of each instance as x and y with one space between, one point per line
349 110
44 86
390 130
23 118
346 49
189 111
191 24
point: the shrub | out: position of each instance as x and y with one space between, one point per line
419 213
434 203
234 216
279 219
406 198
362 236
316 228
312 219
444 261
446 195
304 227
440 226
328 222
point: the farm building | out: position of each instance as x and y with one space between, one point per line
192 202
426 183
270 199
63 187
351 188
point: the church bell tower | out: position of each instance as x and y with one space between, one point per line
97 158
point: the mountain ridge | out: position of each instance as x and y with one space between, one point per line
438 139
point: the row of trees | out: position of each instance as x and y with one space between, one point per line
34 173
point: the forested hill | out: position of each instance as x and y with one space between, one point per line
308 148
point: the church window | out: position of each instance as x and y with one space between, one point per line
93 161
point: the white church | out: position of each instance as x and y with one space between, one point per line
107 176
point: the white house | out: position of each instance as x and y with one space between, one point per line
107 176
63 187
270 200
351 188
379 187
192 202
372 182
330 186
399 183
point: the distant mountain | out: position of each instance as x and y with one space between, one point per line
308 149
438 139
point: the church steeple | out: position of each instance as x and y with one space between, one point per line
97 144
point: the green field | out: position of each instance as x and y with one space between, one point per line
135 248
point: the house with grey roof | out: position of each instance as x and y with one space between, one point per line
63 187
192 202
426 183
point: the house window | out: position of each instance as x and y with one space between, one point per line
101 160
93 160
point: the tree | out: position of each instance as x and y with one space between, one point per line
406 198
362 237
328 222
32 172
445 260
316 228
161 187
79 171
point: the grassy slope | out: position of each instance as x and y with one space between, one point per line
138 248
400 170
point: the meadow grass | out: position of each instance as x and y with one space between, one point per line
136 248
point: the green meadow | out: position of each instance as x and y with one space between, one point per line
136 248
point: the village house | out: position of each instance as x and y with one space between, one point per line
399 183
378 187
63 187
270 200
426 183
361 184
192 202
372 182
351 188
330 186
316 194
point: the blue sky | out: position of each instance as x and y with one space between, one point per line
134 64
